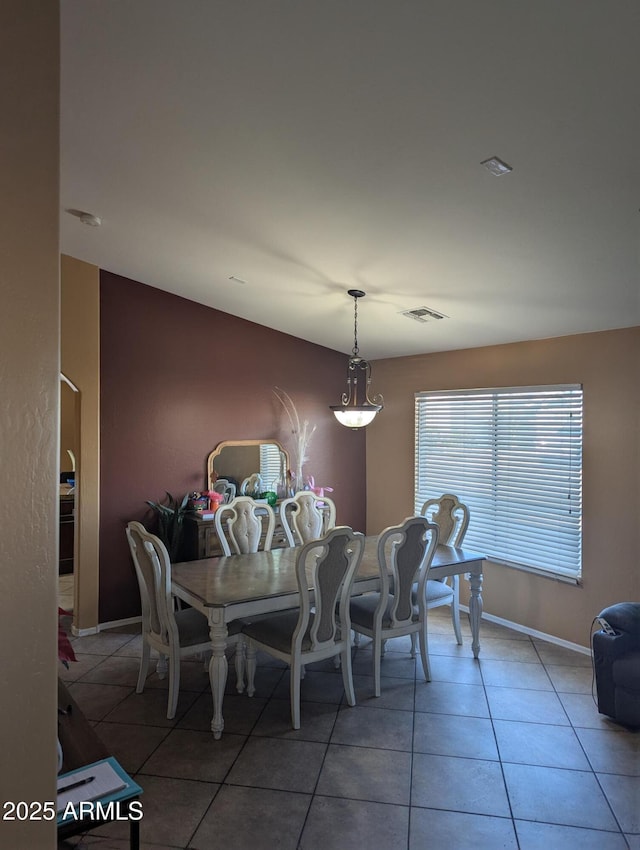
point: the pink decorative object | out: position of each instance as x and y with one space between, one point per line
319 491
215 499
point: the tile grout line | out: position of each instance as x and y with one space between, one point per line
500 762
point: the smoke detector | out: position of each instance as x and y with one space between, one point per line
90 219
423 314
86 217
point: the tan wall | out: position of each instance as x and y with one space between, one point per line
29 370
608 366
80 358
68 431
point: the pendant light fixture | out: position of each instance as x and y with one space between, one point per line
357 409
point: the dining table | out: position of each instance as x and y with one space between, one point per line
230 587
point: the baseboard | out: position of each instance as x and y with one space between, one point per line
102 627
82 632
509 624
531 632
114 624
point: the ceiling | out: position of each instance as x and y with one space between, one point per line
315 146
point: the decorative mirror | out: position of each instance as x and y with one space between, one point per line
238 460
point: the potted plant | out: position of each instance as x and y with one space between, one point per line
170 522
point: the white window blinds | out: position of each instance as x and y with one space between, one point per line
514 456
270 465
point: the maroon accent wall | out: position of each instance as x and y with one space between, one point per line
177 378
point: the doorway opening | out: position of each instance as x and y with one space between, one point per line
69 493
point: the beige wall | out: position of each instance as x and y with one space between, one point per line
80 358
69 433
29 377
608 366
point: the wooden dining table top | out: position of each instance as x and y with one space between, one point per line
236 579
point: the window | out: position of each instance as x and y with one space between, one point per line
514 456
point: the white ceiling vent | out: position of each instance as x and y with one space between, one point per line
496 166
423 314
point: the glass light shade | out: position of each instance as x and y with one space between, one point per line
355 417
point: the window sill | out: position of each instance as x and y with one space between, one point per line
561 577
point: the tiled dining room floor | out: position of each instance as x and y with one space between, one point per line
509 752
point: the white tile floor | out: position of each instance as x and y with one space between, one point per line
509 752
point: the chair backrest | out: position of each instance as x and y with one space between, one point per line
252 485
405 553
306 517
153 571
225 488
451 515
327 565
239 526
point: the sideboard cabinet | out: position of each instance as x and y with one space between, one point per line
201 541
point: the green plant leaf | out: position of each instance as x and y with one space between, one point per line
170 521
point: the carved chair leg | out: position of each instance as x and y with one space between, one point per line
161 666
424 652
144 666
239 659
336 658
455 611
347 674
378 652
174 682
295 676
251 667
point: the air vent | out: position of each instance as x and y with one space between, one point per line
496 166
423 314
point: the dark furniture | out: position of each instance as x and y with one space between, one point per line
82 746
617 664
79 740
65 552
200 538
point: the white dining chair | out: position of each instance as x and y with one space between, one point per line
405 553
319 628
173 634
244 526
452 518
306 517
226 488
252 485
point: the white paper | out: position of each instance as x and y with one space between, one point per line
103 781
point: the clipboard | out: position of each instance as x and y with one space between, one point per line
103 780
